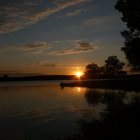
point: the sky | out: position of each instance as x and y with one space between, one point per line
57 36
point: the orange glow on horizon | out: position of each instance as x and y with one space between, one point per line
78 74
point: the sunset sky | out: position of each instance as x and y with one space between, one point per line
57 36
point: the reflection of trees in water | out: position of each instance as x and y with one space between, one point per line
97 96
113 99
119 121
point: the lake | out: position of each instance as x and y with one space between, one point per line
42 110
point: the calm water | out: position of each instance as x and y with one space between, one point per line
42 110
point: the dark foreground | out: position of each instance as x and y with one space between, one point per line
125 84
45 111
120 121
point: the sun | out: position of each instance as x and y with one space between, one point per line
78 74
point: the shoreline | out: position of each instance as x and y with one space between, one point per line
124 84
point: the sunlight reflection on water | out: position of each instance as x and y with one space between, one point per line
49 111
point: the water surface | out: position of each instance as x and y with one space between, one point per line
43 110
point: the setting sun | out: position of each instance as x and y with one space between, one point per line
79 74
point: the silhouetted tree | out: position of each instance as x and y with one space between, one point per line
92 69
130 10
113 65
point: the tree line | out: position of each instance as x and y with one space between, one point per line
113 66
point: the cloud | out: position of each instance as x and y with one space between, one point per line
18 73
76 11
93 22
38 46
45 64
39 52
99 20
56 65
16 14
65 42
73 13
6 71
79 48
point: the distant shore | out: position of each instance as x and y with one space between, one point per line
124 84
6 78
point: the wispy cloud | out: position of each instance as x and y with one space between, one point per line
73 13
94 22
76 11
18 73
46 64
43 63
16 15
41 48
99 20
79 48
66 41
37 46
56 65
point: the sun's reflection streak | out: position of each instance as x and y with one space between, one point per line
78 89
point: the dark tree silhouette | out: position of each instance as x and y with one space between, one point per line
92 69
130 10
113 65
